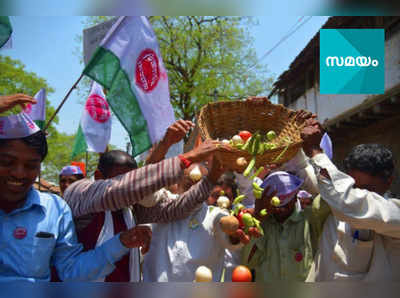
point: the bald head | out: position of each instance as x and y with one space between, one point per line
116 162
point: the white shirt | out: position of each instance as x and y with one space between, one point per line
375 256
178 248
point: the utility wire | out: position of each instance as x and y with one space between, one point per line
292 30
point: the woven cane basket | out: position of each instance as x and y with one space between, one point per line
223 120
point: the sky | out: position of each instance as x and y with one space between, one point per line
47 47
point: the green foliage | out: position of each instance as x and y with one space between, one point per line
207 59
15 79
60 149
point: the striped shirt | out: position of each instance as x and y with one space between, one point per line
88 197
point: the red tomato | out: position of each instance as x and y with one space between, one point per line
239 217
244 134
241 274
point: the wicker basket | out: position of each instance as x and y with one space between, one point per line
222 120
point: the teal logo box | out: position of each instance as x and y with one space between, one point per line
352 61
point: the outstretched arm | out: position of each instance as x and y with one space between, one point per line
361 208
171 208
85 196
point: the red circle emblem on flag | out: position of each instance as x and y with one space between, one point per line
147 70
20 233
98 109
28 108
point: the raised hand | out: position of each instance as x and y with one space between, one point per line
7 102
311 135
303 115
205 150
177 131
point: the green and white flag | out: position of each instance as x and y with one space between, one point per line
128 64
5 32
94 130
37 112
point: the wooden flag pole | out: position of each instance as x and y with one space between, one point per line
86 162
62 103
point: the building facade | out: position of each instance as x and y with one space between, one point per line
356 118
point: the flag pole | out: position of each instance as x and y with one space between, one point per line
86 162
62 103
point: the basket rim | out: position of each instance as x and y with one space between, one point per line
252 101
293 144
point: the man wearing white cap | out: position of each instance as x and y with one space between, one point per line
37 229
291 233
361 239
69 175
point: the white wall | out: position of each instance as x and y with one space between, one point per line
330 106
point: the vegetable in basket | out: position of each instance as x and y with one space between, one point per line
271 135
237 140
225 142
244 134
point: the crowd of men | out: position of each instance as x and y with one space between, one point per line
156 223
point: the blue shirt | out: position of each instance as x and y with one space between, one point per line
30 258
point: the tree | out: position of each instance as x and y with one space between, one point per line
15 79
208 59
59 155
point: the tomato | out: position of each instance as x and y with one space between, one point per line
241 274
239 217
244 134
254 232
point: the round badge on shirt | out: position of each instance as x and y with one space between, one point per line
298 257
20 233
